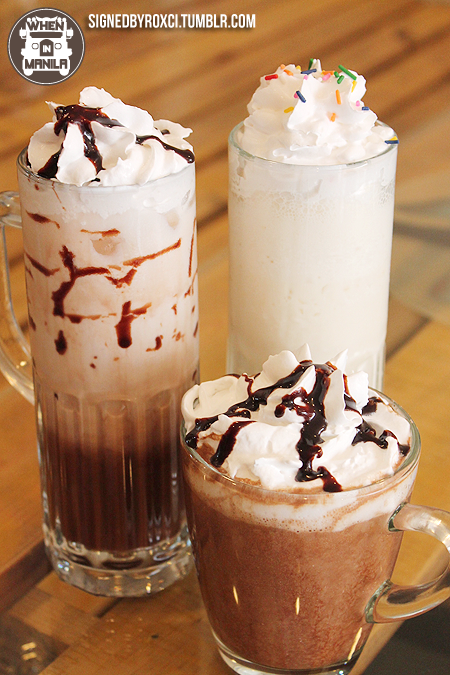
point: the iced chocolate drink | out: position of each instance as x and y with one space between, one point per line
108 210
292 477
311 201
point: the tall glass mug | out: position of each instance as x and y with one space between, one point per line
310 250
293 582
113 314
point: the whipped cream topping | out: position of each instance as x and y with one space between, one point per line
104 141
297 425
312 116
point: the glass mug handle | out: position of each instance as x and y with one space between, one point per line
392 602
15 355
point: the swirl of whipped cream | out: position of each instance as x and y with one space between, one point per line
297 425
312 117
104 141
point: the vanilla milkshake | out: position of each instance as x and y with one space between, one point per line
291 478
311 201
108 210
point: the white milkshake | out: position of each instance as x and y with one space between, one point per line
311 201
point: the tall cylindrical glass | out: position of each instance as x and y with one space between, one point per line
310 250
113 312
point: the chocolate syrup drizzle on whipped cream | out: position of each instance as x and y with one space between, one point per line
83 117
310 407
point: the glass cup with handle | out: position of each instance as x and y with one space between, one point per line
113 324
293 581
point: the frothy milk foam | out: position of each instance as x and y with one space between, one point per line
363 440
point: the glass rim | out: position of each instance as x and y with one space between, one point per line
232 141
408 465
40 180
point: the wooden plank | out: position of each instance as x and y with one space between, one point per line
165 634
212 188
406 80
431 143
24 650
19 571
22 560
53 617
403 324
137 44
51 585
56 609
43 623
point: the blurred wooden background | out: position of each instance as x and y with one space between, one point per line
204 79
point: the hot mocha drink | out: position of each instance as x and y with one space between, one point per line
290 550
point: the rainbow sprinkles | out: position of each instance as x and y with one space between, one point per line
313 116
324 76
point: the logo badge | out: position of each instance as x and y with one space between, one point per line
46 46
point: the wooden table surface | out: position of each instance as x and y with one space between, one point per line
204 79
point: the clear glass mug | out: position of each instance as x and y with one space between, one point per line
313 245
293 583
111 275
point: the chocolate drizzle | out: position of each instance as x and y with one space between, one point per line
123 328
50 168
104 233
371 405
158 344
227 442
311 409
366 433
251 404
135 262
308 446
191 252
309 406
312 404
83 117
42 219
350 403
43 270
188 155
404 448
75 273
61 343
127 279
